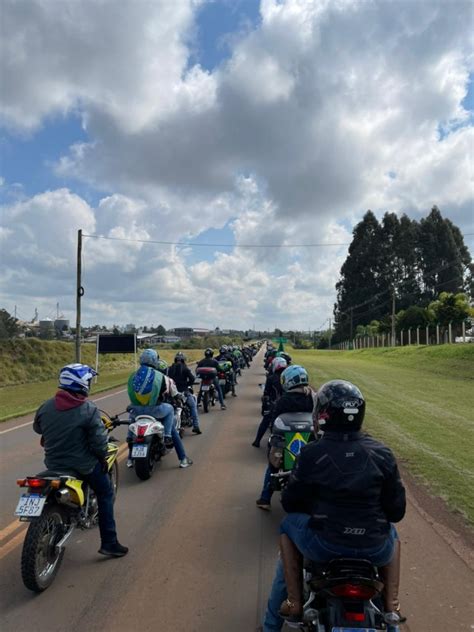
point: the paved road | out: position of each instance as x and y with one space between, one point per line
201 555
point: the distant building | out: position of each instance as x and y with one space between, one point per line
183 332
199 331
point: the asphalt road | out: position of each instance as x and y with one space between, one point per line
201 554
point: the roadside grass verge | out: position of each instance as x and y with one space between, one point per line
420 402
41 363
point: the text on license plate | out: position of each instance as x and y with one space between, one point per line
354 630
30 505
205 387
139 451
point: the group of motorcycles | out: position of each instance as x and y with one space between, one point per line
56 503
343 595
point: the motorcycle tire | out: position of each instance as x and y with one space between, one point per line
144 467
114 478
40 561
205 402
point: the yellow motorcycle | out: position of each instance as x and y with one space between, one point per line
55 504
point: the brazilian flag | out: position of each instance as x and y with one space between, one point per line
294 442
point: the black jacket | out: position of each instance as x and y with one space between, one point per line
273 388
182 376
209 363
351 486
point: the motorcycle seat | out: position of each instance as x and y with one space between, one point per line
340 570
55 474
301 418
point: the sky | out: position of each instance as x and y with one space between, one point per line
236 125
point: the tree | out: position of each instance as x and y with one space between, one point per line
451 308
160 330
413 317
8 325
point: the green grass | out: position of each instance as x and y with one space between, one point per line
29 370
420 402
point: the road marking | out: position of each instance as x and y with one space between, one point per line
13 543
9 529
94 399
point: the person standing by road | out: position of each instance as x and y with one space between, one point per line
75 440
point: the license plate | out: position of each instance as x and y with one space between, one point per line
30 505
354 630
139 451
222 382
205 388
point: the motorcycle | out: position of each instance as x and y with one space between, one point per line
290 432
342 595
226 378
207 390
184 411
54 504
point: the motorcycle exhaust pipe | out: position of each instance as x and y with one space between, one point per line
64 539
64 498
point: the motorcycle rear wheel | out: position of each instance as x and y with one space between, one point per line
144 467
40 561
114 478
205 402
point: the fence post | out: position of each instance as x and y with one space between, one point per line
450 339
464 331
437 333
417 335
401 337
427 335
409 336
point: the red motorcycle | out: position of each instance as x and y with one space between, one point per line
207 391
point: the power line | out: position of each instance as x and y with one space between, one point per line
206 245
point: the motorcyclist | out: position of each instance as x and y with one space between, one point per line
225 355
298 397
184 380
342 498
273 391
75 441
209 362
147 389
269 357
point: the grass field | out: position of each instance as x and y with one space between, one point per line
29 371
420 401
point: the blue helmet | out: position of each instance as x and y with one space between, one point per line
76 378
294 376
149 357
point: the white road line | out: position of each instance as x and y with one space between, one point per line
95 399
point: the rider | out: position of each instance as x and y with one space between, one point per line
147 388
298 397
273 391
184 381
225 355
342 496
209 362
75 440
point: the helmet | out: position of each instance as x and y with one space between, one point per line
286 356
162 366
294 376
209 352
180 357
149 357
223 349
279 364
340 406
76 377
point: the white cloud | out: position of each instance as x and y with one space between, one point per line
326 109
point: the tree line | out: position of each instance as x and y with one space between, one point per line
421 270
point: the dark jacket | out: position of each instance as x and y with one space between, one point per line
273 388
350 484
209 363
182 376
294 402
74 437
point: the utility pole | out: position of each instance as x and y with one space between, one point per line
393 318
352 321
79 295
15 313
330 334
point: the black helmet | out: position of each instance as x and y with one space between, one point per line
208 352
340 406
180 357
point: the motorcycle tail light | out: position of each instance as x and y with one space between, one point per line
355 616
141 431
36 483
354 591
21 482
56 484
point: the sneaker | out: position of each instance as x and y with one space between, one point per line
169 445
234 394
197 430
391 618
263 504
129 463
255 444
113 550
223 407
185 462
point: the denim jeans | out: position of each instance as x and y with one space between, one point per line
217 386
263 427
100 483
267 491
191 402
296 527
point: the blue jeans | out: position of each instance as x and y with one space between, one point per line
100 483
308 542
191 402
267 491
165 413
217 386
